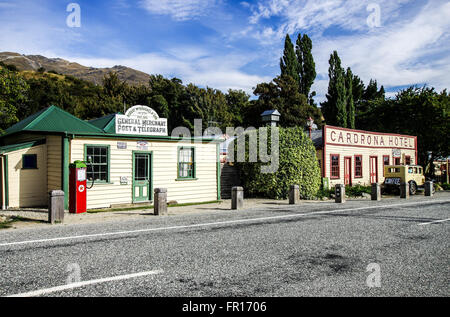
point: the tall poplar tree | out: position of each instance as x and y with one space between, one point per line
306 64
349 98
288 63
334 108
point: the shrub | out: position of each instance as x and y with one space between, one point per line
357 190
297 165
445 186
324 192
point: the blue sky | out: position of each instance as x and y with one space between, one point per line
237 44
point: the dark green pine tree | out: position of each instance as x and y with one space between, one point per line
334 108
306 64
288 63
350 101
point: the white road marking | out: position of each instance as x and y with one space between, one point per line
219 223
84 283
431 222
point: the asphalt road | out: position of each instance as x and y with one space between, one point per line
313 249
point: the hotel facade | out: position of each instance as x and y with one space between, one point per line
354 157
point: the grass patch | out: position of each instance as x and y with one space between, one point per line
95 211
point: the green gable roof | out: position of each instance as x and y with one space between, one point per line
52 119
106 123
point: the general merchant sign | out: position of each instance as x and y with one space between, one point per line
141 120
346 137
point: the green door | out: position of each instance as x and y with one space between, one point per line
142 176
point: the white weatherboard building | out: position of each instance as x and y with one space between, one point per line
129 155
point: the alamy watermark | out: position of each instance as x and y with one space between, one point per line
259 143
73 20
374 278
374 18
74 271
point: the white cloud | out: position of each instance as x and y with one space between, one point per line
219 72
411 47
178 9
406 53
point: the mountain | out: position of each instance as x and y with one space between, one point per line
59 65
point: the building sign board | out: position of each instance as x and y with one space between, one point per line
337 136
142 145
122 145
123 180
141 120
396 153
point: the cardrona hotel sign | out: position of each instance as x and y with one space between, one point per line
141 120
346 137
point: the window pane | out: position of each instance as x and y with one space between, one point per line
29 161
98 168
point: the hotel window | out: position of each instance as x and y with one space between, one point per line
407 160
396 161
334 165
385 161
358 166
97 157
186 163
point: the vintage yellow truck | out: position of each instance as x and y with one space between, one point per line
398 174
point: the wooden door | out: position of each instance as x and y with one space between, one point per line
373 169
348 171
141 177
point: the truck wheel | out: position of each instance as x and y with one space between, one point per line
412 188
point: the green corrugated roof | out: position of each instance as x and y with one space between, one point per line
52 119
19 146
106 123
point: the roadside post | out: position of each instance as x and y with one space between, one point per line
339 192
160 205
294 195
237 197
376 192
429 189
404 190
55 206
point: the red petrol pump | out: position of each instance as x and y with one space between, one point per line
77 187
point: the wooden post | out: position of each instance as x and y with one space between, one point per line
294 194
55 206
160 204
237 197
339 192
376 192
404 190
429 189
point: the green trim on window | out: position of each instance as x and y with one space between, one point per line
29 168
65 170
5 165
108 177
194 164
186 179
218 170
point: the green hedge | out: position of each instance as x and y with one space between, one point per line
297 165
